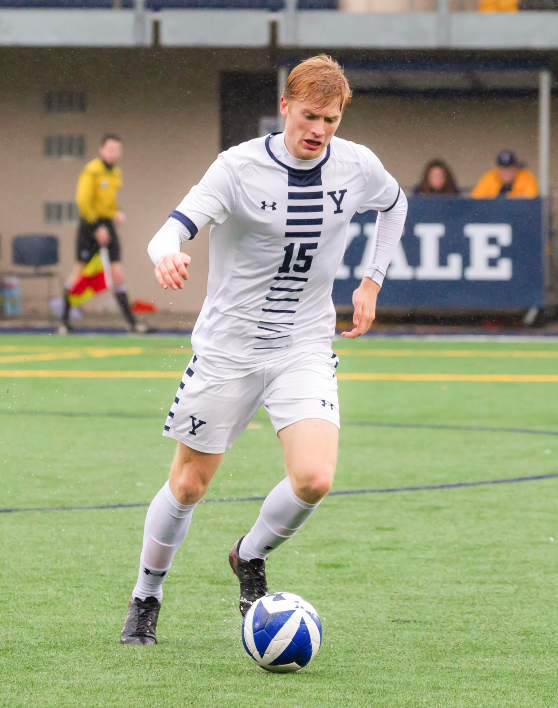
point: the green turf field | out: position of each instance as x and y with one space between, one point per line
436 598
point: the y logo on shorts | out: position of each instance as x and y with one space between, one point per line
327 403
195 425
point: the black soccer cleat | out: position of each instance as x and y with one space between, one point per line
251 574
141 621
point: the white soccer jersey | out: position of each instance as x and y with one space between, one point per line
278 235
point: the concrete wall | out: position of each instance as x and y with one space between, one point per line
165 104
466 132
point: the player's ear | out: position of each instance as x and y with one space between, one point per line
284 107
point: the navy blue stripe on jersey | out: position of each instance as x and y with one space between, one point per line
300 178
171 414
189 371
167 428
270 339
306 195
305 208
306 178
288 324
283 299
394 203
268 329
303 234
188 223
288 290
290 277
278 312
182 384
305 222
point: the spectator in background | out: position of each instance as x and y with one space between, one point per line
437 178
498 5
508 179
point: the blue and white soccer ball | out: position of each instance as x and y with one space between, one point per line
282 632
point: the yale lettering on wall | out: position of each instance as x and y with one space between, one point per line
455 253
485 260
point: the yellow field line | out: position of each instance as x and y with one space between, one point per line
17 358
174 350
114 351
516 378
92 374
72 354
13 349
450 353
35 348
512 378
440 353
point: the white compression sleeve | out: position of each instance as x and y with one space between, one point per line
389 228
281 515
168 239
166 525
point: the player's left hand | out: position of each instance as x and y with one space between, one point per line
364 302
119 218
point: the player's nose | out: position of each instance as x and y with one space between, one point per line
318 129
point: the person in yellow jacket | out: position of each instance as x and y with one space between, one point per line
498 5
508 179
96 198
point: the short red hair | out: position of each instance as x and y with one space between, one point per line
319 79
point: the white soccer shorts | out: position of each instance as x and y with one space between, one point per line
214 405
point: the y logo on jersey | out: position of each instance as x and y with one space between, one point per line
195 425
333 195
272 206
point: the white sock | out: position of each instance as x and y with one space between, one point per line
281 515
166 525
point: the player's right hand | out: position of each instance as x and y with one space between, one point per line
171 270
102 235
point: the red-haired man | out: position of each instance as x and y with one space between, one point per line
279 208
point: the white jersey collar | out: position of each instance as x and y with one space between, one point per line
275 144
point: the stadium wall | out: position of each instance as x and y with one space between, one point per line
166 106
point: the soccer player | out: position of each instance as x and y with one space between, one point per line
279 207
96 194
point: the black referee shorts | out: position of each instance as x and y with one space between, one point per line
87 246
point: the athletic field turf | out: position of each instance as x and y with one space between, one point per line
437 597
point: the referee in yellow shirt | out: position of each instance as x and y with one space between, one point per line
97 189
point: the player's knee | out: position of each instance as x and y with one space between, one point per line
188 481
314 487
188 487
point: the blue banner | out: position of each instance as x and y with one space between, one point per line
455 253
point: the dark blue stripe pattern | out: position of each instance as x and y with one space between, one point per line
185 221
305 208
394 203
305 222
302 179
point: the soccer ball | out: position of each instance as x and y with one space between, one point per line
282 632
